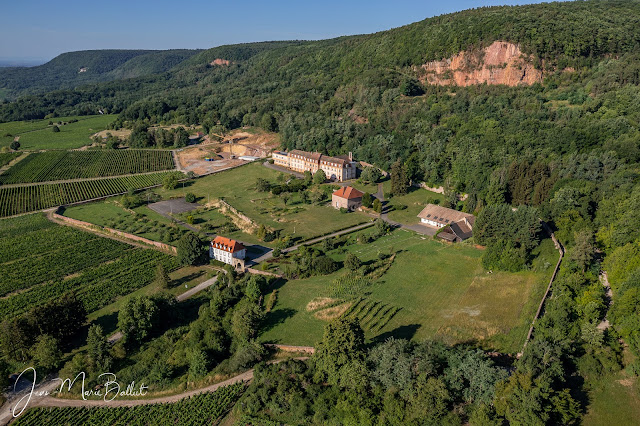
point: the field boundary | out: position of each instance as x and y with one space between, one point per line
165 248
560 249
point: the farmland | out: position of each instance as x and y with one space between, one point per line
7 157
202 409
38 134
60 165
24 199
41 261
431 290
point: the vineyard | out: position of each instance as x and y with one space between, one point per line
61 165
24 199
41 261
6 157
202 409
373 315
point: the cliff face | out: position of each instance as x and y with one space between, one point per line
220 62
500 63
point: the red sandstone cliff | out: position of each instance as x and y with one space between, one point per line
500 63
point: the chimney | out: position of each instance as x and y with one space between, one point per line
350 156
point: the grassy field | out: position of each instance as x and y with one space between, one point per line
7 157
415 200
145 222
435 289
61 165
237 187
614 400
37 134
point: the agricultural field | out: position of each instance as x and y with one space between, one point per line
237 187
202 409
7 157
42 260
38 134
143 222
431 290
24 199
60 165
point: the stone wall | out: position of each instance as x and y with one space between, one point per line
90 226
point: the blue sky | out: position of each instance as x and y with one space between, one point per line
43 29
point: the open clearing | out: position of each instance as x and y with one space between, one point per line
38 134
432 289
614 400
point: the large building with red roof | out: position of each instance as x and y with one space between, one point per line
347 198
228 251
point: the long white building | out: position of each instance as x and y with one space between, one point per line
335 168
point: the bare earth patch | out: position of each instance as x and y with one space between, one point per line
333 312
319 303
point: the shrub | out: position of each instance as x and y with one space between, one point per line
190 197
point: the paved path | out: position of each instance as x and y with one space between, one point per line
268 255
49 401
604 279
180 298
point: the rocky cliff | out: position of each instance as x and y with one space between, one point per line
500 63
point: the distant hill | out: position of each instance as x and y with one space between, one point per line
74 69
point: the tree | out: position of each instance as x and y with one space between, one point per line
4 374
342 344
367 200
197 364
190 197
15 145
352 262
137 318
308 178
263 185
98 349
46 354
320 177
180 137
170 181
285 197
55 129
584 249
411 87
268 122
189 249
161 278
377 206
399 178
304 197
371 174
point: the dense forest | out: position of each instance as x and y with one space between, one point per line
91 66
566 151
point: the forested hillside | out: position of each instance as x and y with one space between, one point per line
566 150
77 68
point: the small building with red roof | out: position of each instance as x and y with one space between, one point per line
347 197
228 251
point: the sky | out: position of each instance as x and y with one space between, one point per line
42 29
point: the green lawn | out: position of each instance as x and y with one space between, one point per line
236 187
145 223
415 200
439 290
37 134
614 400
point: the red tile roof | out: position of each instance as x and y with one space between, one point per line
348 192
227 244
